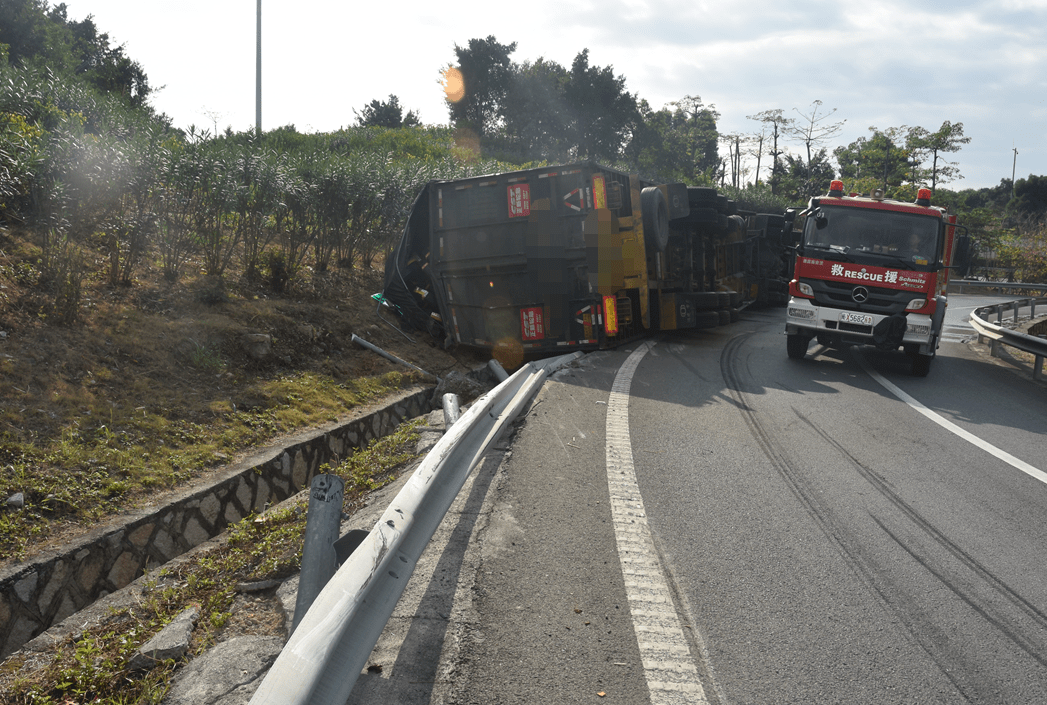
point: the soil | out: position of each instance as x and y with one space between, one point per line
178 346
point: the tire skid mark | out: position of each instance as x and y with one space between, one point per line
920 627
982 606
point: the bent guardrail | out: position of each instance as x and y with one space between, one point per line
324 656
998 334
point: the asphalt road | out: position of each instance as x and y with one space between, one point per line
827 530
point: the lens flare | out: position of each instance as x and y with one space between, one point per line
454 84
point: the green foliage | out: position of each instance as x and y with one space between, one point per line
678 142
486 71
386 114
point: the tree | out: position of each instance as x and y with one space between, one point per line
813 131
387 114
803 180
486 74
880 159
38 35
779 125
678 142
1030 197
534 115
603 115
946 140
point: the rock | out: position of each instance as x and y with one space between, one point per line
257 345
228 674
16 501
171 642
456 383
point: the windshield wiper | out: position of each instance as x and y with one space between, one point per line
837 253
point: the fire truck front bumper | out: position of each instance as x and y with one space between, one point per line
832 326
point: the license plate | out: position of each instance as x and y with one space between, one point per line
861 319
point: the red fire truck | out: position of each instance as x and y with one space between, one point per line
870 270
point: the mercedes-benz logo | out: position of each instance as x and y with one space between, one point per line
860 294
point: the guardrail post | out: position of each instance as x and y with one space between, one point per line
999 313
452 409
1017 305
1037 368
994 348
322 526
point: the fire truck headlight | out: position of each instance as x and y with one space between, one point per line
919 330
801 313
805 289
916 304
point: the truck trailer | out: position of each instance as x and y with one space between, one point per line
578 256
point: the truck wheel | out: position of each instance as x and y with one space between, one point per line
921 364
725 317
655 218
796 344
707 319
705 300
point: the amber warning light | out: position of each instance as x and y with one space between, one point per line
610 315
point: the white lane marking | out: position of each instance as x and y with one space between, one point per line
672 677
950 426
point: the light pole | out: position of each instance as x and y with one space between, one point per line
258 77
1014 166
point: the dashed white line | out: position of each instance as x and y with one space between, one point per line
672 677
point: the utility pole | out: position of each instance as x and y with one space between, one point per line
1013 167
258 77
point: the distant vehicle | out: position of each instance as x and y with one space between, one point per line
870 270
578 256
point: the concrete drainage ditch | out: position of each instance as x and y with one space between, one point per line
41 592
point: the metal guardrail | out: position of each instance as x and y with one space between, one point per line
958 286
327 651
998 334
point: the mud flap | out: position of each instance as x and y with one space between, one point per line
888 333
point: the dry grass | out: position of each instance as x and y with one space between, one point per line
151 385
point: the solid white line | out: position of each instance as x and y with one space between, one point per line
950 426
659 634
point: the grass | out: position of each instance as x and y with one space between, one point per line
120 454
93 666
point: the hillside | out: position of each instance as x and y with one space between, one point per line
154 383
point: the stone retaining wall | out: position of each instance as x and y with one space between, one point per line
36 594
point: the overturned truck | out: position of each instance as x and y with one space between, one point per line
578 256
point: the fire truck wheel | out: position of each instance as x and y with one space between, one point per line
797 343
655 218
921 365
725 317
724 299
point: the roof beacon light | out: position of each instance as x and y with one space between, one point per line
923 197
836 188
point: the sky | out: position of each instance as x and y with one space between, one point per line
876 64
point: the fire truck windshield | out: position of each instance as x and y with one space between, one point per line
856 232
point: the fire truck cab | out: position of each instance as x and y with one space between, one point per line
870 270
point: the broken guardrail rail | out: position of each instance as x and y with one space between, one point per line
324 656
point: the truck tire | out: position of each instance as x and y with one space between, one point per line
707 319
703 216
655 219
796 345
706 300
701 197
725 317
